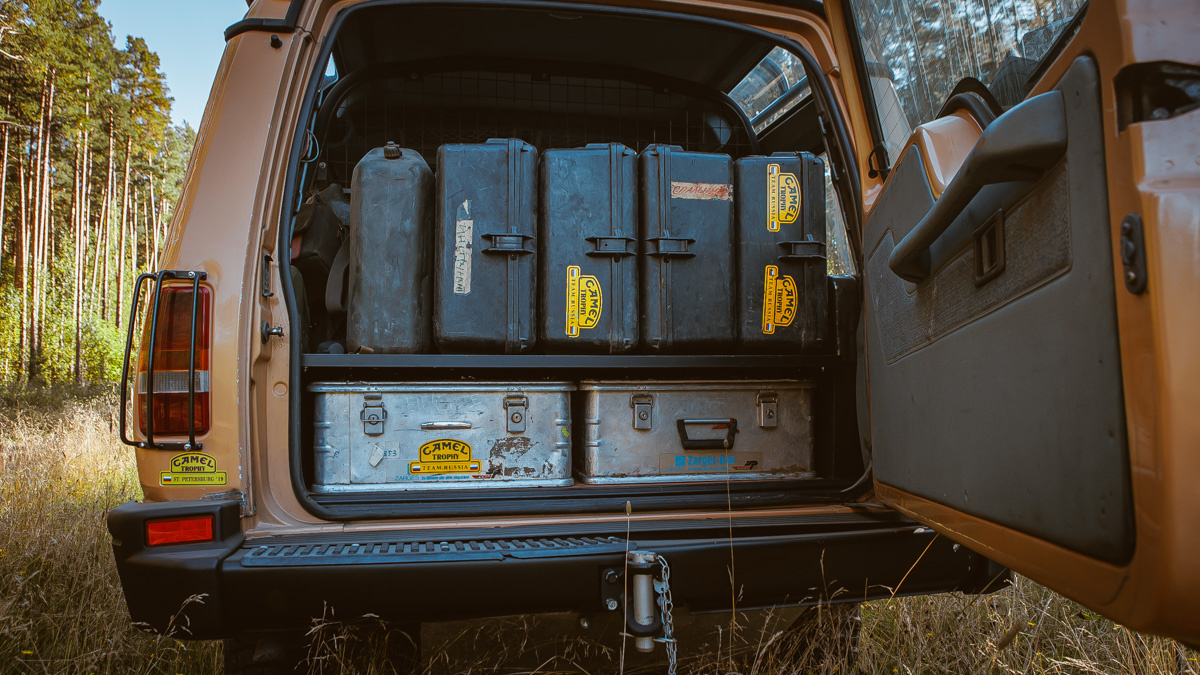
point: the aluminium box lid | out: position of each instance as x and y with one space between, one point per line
693 385
437 387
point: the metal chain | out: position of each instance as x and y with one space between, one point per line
668 619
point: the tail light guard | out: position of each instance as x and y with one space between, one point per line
150 349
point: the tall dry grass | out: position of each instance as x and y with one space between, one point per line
61 608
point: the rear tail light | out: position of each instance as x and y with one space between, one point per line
172 342
187 530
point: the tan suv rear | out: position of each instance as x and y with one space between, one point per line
1004 351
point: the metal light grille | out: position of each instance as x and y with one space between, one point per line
423 112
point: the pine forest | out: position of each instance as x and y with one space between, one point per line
90 169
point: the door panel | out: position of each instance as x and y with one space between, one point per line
1025 442
1002 398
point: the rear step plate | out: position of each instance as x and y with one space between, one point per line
373 552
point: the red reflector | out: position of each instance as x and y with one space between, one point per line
179 530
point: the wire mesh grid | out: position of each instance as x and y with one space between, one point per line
423 112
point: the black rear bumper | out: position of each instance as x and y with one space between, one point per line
217 589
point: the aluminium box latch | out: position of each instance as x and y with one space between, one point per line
373 414
515 409
768 409
643 411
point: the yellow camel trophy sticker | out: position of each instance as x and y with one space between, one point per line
779 300
585 301
783 198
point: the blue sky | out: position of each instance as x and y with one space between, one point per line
186 35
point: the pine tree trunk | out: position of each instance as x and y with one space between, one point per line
121 242
22 267
86 307
47 228
151 203
105 242
4 180
134 219
79 225
35 257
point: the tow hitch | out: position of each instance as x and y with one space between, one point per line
642 589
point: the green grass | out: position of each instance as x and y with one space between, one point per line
61 608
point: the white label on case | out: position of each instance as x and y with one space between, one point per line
464 229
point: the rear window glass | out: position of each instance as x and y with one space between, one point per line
772 88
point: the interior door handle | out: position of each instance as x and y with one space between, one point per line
1020 145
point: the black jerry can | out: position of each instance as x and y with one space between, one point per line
588 270
781 241
387 311
687 263
485 248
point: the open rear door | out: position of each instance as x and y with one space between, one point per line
1032 276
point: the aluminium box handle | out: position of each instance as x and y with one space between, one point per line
726 443
442 426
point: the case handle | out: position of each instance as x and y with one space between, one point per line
611 246
442 426
506 244
670 246
802 250
726 443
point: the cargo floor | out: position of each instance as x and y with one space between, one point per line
582 498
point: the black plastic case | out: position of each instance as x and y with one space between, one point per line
588 270
485 247
782 292
687 265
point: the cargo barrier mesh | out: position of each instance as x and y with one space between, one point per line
423 112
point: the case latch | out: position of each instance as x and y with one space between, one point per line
643 410
373 414
515 410
768 409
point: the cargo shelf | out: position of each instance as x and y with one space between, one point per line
592 366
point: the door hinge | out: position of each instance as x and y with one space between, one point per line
1133 254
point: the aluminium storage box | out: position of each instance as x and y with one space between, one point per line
485 250
782 294
687 266
373 436
391 210
639 432
588 299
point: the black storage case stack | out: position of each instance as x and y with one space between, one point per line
781 252
687 265
484 267
588 228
